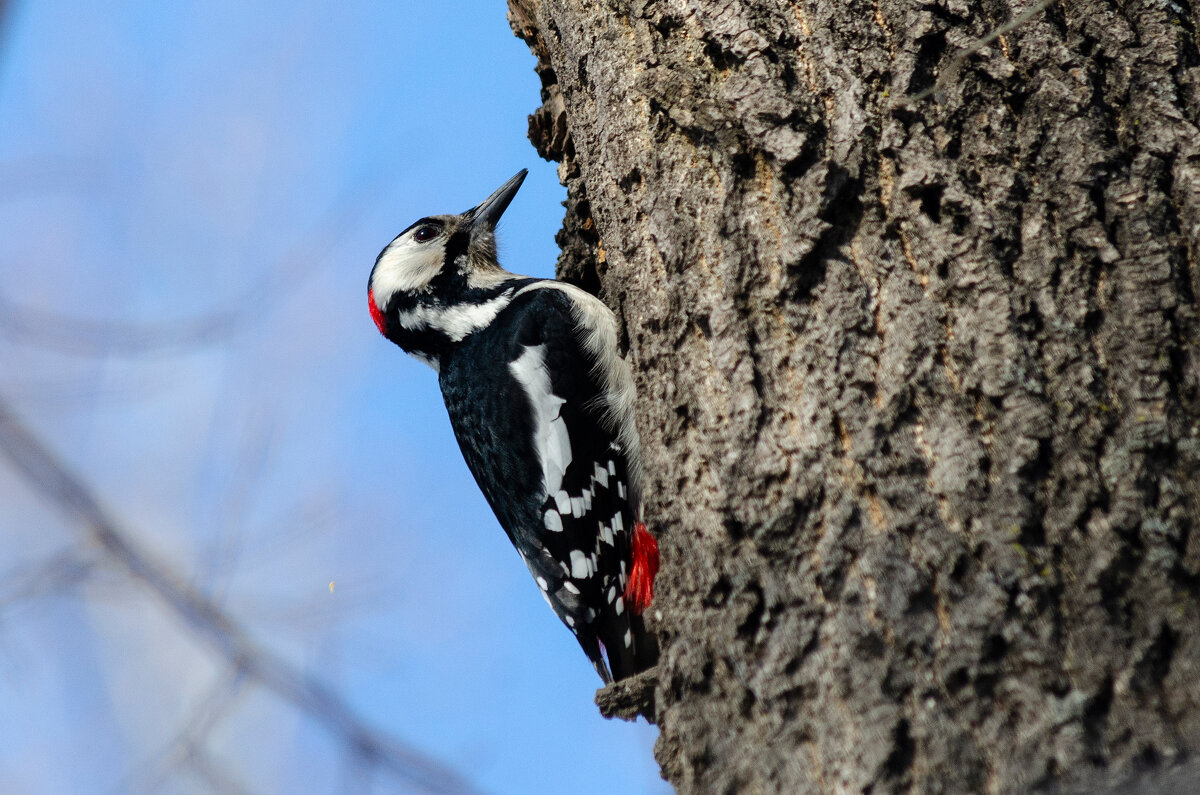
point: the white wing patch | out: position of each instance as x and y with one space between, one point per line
579 565
551 441
600 339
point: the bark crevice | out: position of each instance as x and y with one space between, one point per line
919 378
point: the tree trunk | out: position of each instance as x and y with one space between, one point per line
916 336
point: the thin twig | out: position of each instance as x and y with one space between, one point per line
68 334
51 479
956 64
63 570
180 750
83 337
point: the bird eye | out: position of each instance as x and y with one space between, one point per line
425 234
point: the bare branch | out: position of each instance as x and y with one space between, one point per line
59 572
216 777
182 749
67 334
84 337
50 478
952 69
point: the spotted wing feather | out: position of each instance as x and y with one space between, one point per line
574 521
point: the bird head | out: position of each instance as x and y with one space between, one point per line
439 256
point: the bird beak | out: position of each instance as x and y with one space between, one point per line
485 216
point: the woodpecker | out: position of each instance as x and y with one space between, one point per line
541 404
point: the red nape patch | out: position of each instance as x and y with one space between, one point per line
639 591
376 313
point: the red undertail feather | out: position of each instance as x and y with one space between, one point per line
376 314
639 591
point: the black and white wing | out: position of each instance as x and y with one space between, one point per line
576 475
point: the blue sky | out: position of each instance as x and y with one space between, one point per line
162 161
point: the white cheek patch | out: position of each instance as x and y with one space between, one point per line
404 267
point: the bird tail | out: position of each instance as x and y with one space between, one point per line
627 659
640 655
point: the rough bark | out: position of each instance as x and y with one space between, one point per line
919 378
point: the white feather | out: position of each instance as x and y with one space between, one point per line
404 266
429 360
600 475
551 441
600 339
456 322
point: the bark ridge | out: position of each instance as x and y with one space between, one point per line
919 380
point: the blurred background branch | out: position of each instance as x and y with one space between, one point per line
241 553
49 478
